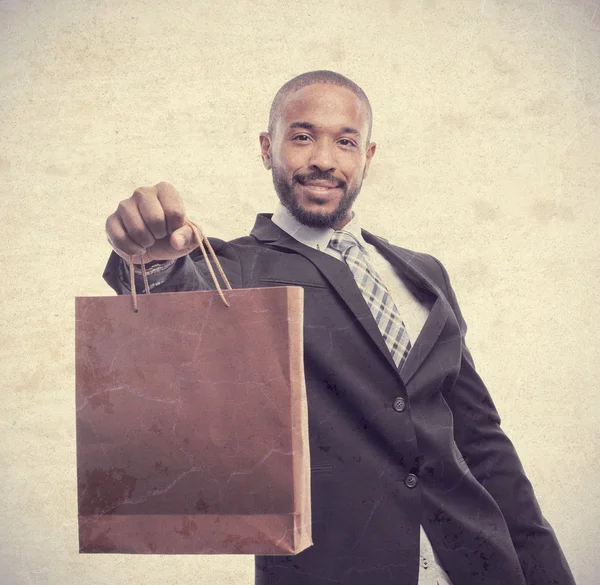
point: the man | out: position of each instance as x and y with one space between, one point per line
420 483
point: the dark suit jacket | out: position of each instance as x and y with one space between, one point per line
378 472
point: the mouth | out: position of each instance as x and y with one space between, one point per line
317 190
320 187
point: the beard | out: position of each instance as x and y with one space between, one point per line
285 192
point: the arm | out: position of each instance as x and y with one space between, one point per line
493 461
184 274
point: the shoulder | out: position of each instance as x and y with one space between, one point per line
231 250
431 269
426 264
234 257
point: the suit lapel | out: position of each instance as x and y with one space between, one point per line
340 277
403 260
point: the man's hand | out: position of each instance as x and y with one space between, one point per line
151 222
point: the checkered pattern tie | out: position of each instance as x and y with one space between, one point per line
376 294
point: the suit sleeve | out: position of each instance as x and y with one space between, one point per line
493 461
188 274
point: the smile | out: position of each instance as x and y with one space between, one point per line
315 189
319 188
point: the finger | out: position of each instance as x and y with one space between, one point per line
152 214
172 205
183 238
136 229
119 239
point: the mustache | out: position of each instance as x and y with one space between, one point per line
319 176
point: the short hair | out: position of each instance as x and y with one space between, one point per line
310 78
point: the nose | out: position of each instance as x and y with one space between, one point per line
322 156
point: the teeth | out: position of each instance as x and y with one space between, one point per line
318 189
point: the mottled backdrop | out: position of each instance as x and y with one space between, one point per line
487 120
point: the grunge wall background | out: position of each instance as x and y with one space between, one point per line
487 119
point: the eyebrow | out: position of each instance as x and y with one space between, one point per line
309 126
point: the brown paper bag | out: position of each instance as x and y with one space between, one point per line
192 424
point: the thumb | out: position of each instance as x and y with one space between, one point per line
182 238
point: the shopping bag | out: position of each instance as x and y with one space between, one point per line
192 422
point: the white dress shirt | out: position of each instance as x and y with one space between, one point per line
414 313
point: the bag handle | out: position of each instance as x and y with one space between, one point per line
201 239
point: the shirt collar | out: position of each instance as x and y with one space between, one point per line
317 238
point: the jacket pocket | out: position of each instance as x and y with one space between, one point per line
285 282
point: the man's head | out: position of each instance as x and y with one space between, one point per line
318 146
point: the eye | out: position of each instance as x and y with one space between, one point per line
347 143
301 137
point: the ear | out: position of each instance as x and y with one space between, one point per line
265 149
370 153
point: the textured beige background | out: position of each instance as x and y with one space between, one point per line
487 119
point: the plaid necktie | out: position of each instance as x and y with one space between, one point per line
376 294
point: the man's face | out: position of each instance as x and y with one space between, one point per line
318 154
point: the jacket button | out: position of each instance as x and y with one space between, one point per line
411 480
399 404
